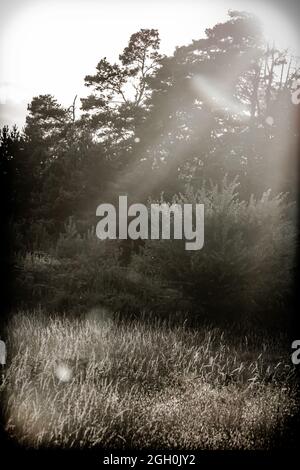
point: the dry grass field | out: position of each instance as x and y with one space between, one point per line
99 382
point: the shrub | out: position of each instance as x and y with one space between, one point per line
244 271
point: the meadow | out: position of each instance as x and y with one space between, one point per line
98 381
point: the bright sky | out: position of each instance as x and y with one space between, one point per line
48 46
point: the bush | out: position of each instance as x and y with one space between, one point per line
242 274
244 271
79 273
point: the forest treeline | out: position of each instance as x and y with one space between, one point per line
212 123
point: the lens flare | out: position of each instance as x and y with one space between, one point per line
63 373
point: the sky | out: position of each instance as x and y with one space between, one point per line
48 46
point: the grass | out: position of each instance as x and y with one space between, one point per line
98 382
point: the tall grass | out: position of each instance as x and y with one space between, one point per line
96 381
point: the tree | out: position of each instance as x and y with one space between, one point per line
18 177
211 108
46 121
120 91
